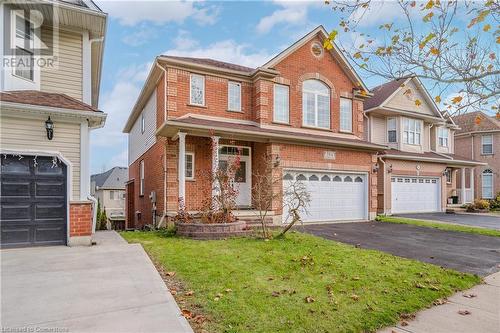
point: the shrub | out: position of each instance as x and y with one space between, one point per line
481 204
469 208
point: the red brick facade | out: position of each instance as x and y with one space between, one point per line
80 219
257 106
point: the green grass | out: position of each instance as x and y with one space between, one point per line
294 268
441 226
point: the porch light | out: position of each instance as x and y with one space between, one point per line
49 126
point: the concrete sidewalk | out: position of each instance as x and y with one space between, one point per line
110 287
484 311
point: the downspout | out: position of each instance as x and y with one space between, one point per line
94 215
165 147
383 180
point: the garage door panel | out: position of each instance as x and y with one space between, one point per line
13 212
15 189
415 194
16 236
54 189
53 234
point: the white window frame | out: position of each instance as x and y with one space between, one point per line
390 129
443 139
449 175
237 84
21 44
344 114
316 114
412 131
192 171
191 89
111 195
143 123
483 144
141 178
286 107
488 173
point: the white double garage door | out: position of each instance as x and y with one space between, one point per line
415 194
334 196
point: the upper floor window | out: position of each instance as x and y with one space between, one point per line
24 44
234 96
412 132
315 104
197 90
443 136
281 113
391 130
141 178
143 123
346 115
487 144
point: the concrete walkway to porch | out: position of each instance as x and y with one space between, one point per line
110 287
480 308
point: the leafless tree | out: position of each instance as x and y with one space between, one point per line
429 39
296 199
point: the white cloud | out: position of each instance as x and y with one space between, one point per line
291 13
120 159
132 12
378 12
140 37
226 50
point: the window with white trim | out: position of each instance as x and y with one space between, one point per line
448 174
443 136
346 115
281 113
141 178
197 90
24 43
391 130
487 144
487 184
412 131
111 195
189 166
315 104
143 123
234 96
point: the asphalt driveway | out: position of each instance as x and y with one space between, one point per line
463 252
111 287
475 220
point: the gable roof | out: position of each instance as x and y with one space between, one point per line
114 178
467 122
41 98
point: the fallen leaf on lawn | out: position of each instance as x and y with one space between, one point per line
404 323
464 312
440 301
216 299
170 273
309 299
270 278
407 316
275 294
189 293
228 290
186 313
418 285
354 297
433 287
173 292
469 295
355 278
385 291
199 319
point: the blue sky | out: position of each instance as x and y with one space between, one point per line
244 32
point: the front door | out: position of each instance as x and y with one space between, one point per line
243 179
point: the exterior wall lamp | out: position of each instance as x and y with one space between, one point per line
49 126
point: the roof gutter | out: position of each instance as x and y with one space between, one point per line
431 159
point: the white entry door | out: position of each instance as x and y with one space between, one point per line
243 179
415 194
334 196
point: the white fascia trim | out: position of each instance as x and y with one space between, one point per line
87 68
429 97
100 117
413 114
477 132
393 94
431 159
84 161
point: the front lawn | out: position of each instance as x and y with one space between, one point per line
441 226
299 284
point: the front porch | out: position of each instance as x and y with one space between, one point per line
460 189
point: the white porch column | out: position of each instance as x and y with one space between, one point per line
215 162
472 184
462 190
182 167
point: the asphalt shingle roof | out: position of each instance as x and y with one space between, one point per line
382 92
41 98
214 63
114 178
467 122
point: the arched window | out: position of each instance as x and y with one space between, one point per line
288 177
348 179
358 180
315 104
487 184
325 178
337 179
313 178
301 177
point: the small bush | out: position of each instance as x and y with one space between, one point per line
481 204
469 208
169 231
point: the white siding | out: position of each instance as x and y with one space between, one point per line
403 101
379 130
139 143
29 134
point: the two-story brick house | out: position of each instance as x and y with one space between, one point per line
479 138
303 108
48 109
418 171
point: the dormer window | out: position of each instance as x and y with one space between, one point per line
443 136
391 130
412 132
23 41
315 104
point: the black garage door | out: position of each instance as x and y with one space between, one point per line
33 201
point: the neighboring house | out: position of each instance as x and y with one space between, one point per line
47 113
109 188
303 108
479 139
418 172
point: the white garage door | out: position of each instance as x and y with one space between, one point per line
334 196
415 194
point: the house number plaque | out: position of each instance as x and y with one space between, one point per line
329 155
